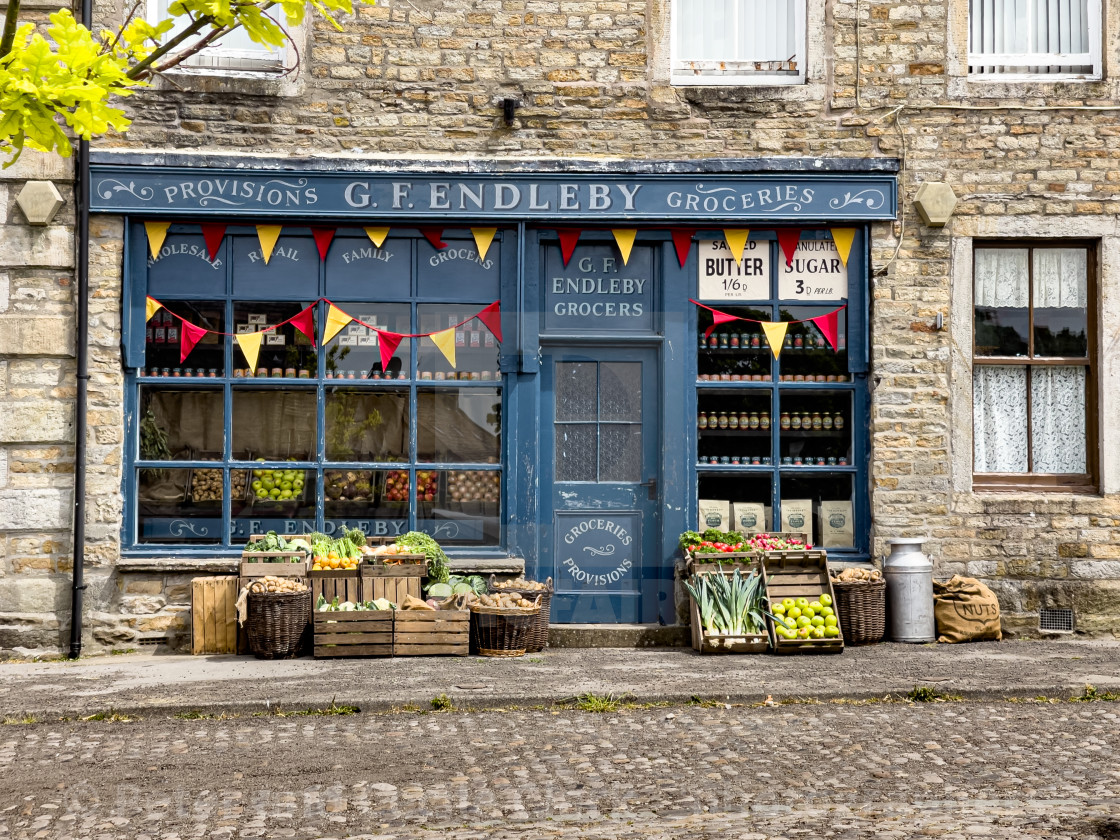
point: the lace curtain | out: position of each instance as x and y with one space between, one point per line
1001 277
1061 278
1057 411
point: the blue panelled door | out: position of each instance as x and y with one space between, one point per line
600 442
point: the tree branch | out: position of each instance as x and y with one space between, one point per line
140 71
11 23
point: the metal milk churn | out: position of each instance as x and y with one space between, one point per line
909 576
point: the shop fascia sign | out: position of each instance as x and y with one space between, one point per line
555 197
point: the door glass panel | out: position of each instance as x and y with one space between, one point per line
575 391
620 391
620 452
576 451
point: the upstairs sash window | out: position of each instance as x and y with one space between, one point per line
1028 38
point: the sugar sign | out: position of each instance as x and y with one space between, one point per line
816 272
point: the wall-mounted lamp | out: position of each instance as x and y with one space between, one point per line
509 110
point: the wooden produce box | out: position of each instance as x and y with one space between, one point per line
705 642
344 584
394 580
213 615
277 563
438 633
745 561
357 633
799 574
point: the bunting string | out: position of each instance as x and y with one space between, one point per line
775 331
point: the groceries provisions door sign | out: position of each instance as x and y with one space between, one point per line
598 552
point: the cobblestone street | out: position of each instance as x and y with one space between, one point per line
881 770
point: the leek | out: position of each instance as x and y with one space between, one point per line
730 605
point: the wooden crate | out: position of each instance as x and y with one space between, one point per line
393 582
356 633
745 561
705 642
438 633
799 574
344 584
213 615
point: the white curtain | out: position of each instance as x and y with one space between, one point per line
999 419
1061 278
1058 419
1000 277
735 30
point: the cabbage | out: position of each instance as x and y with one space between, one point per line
462 589
440 590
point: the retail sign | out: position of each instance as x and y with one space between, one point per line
606 196
596 293
816 272
598 551
723 278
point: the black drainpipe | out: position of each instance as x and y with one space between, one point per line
81 312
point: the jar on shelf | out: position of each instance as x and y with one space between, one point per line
826 421
713 341
798 342
723 341
756 341
807 421
788 343
703 341
733 341
838 421
721 420
702 421
744 420
817 421
784 421
764 421
795 420
754 421
733 421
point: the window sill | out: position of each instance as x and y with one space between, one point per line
229 565
221 80
1001 89
1003 488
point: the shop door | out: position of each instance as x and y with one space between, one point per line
600 439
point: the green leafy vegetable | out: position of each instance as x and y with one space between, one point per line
423 544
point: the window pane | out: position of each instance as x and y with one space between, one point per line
461 507
735 351
827 497
350 501
274 425
476 349
576 391
815 428
284 351
999 419
180 425
736 30
577 452
460 425
744 440
170 508
355 353
164 335
1002 314
620 452
1058 419
1061 292
806 352
366 425
620 391
280 500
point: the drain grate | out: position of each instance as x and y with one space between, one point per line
1055 621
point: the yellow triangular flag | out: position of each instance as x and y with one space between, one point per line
377 235
152 306
250 344
775 335
843 238
268 234
482 239
625 239
157 232
736 241
445 341
336 320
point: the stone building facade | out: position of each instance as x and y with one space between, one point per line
1029 160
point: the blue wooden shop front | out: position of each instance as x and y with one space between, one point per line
574 442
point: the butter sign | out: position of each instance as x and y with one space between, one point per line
597 293
816 272
722 277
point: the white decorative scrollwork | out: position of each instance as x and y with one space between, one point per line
179 527
106 191
446 529
605 551
700 189
872 199
796 205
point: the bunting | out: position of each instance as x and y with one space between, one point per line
444 340
213 235
682 241
568 239
435 236
829 326
788 239
775 334
267 236
387 343
624 238
775 331
157 232
189 336
305 322
482 239
323 237
717 319
491 316
377 235
151 307
843 238
336 320
736 239
250 344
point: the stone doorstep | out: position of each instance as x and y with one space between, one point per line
617 635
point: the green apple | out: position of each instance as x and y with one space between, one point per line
832 632
817 606
804 621
817 621
793 612
803 633
826 599
802 602
809 611
779 609
827 611
830 621
818 633
257 485
787 602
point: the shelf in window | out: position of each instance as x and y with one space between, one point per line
724 383
722 468
735 351
734 432
813 433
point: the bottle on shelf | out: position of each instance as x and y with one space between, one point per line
764 421
754 421
733 421
744 420
795 420
784 420
721 420
817 421
702 421
826 421
838 421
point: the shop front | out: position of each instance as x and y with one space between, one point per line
560 367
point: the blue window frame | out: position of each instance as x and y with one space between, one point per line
806 443
314 437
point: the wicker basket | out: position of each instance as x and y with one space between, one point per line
861 611
276 623
501 632
538 634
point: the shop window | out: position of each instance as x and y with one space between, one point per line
738 42
233 51
307 437
1052 39
1033 381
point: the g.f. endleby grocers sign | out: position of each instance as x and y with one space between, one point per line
816 271
191 192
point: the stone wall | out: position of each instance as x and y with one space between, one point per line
415 78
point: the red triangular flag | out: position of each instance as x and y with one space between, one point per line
387 343
435 236
323 237
788 239
682 241
305 322
717 319
829 325
491 316
189 336
568 239
213 234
